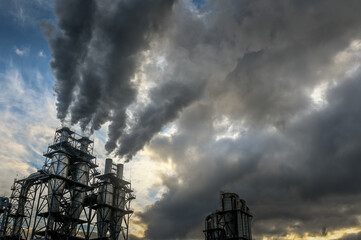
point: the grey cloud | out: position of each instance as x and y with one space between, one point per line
281 54
290 181
300 176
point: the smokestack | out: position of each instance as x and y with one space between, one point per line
120 168
108 165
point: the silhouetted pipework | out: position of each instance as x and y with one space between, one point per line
68 198
233 221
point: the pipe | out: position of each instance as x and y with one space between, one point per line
19 216
120 168
108 165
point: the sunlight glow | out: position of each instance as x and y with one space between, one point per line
331 235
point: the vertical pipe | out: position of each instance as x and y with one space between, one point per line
108 165
249 227
120 168
119 204
23 197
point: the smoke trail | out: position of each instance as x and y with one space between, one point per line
167 101
96 52
69 47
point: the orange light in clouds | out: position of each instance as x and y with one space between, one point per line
137 227
331 235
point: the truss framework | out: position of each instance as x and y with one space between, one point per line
61 200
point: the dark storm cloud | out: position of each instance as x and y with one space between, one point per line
302 179
296 166
96 52
286 48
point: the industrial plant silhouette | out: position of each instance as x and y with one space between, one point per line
68 198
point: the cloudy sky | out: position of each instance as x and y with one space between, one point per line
260 98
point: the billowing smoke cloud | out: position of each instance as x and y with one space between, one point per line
96 53
69 48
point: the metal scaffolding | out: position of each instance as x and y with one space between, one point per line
232 222
68 198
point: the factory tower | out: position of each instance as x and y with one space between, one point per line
232 222
68 198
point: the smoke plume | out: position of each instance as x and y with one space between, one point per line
96 49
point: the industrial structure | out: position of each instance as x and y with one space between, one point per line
68 198
232 222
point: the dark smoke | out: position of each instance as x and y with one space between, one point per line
96 52
69 47
166 103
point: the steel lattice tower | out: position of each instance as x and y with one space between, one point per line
68 198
